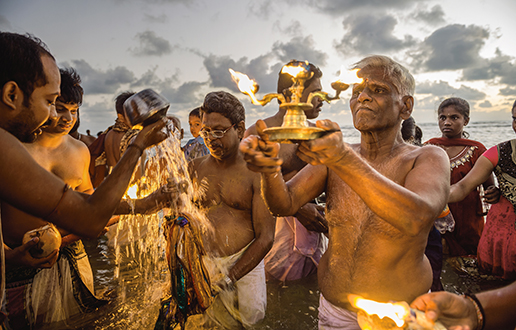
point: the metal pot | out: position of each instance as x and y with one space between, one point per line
145 107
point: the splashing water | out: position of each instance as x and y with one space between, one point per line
138 273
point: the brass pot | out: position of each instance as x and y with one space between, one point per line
145 107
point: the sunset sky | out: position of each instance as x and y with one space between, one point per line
184 48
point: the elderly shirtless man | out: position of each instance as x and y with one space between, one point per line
243 228
383 195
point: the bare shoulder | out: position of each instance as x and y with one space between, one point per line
433 151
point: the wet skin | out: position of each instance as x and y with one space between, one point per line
233 201
60 154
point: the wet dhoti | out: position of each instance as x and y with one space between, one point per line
240 307
42 296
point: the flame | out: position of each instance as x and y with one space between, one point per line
245 84
349 76
396 312
292 70
132 192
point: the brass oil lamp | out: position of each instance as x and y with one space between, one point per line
295 126
374 315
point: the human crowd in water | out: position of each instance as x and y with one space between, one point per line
367 217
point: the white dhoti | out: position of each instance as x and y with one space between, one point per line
234 309
332 317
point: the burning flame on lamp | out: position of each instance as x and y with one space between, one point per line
349 76
132 191
399 312
294 71
396 312
245 85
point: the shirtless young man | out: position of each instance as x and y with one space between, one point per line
383 195
286 261
29 80
243 228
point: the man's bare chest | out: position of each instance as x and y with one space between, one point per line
228 189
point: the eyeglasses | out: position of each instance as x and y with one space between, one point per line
216 134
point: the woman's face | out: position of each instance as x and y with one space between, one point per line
452 122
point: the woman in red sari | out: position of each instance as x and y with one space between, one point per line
453 114
497 247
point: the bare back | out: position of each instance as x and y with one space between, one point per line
69 161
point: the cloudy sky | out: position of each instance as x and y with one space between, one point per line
184 48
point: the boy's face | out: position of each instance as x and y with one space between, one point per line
195 125
66 118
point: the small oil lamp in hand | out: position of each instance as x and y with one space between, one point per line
295 126
374 315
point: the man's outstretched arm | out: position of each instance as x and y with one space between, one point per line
29 187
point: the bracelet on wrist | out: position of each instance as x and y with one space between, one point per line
478 309
136 146
229 281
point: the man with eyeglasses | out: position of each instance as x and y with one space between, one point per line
243 228
299 241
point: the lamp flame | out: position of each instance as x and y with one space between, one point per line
294 71
132 192
245 85
396 312
349 76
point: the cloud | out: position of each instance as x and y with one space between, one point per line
371 34
155 18
434 16
262 9
299 48
94 114
294 29
258 69
101 82
452 47
338 7
485 104
442 89
187 93
507 91
151 45
501 66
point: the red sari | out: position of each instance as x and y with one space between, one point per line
497 247
468 214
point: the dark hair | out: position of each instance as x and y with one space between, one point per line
513 105
410 132
285 80
225 104
120 99
71 90
459 104
195 112
20 61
